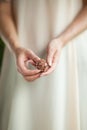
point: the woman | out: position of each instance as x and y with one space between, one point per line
55 99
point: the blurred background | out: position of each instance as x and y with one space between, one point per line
2 46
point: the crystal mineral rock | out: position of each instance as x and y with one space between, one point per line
42 65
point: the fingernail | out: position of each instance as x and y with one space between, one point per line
38 70
50 63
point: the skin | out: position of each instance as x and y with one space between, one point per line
55 46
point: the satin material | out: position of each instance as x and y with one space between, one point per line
54 102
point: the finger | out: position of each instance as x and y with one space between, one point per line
33 56
49 71
18 69
50 56
25 74
52 68
24 69
32 78
30 62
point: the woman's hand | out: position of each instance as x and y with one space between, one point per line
24 56
53 54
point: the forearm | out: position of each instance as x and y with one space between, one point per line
7 26
75 28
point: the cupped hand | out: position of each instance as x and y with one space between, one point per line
53 55
23 56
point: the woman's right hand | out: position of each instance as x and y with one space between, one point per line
22 57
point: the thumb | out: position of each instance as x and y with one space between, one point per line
33 56
50 55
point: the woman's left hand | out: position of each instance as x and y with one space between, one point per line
53 54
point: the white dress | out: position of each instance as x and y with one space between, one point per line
54 102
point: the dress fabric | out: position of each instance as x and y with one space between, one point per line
54 102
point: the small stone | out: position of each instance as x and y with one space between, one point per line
42 65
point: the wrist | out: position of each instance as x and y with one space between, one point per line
60 41
63 38
15 47
14 43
